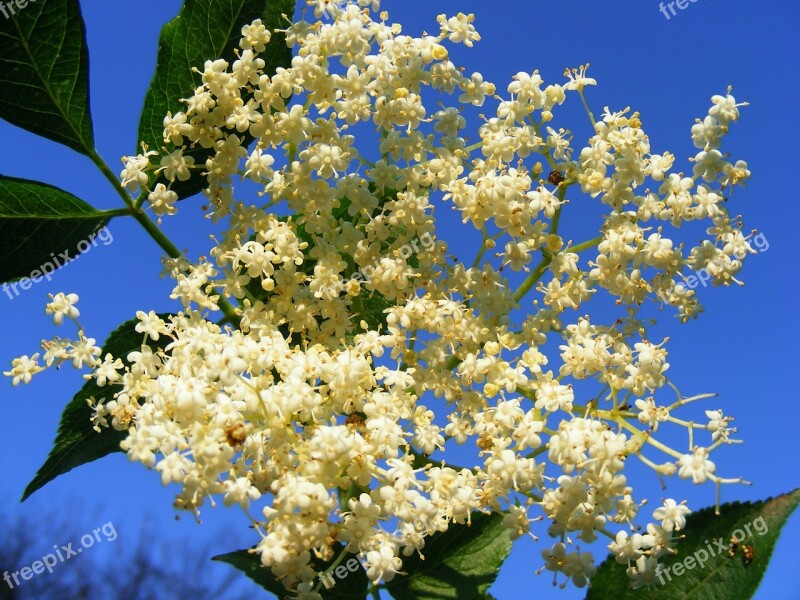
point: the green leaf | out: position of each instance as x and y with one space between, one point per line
461 563
204 30
707 540
44 72
369 307
38 224
351 585
76 442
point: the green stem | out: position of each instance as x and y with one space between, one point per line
116 212
344 496
531 280
137 213
557 216
453 362
647 438
537 273
112 178
538 451
482 250
607 533
586 106
587 244
154 232
150 227
335 564
140 200
474 146
546 155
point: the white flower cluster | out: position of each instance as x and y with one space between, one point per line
331 410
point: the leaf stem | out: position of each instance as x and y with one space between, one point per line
334 564
112 178
150 227
531 280
586 106
482 249
649 439
587 244
116 212
137 213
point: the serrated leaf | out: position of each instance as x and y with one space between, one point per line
369 307
76 442
720 577
204 30
38 223
461 563
44 72
351 586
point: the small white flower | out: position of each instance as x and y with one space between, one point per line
84 352
578 79
176 166
672 515
552 396
162 200
134 175
650 414
255 36
577 565
459 29
643 573
23 368
62 305
626 548
696 465
107 371
382 564
150 324
718 425
240 491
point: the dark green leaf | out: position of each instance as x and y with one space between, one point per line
38 224
44 72
204 30
77 443
720 577
369 307
461 563
351 586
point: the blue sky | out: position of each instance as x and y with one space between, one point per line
744 347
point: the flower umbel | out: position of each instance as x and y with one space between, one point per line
361 352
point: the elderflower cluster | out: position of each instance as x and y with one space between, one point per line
333 414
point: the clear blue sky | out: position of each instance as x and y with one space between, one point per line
744 347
